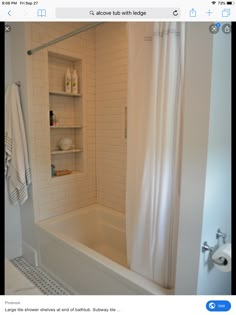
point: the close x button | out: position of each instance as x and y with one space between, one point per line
218 306
7 28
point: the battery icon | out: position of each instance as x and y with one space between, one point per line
230 2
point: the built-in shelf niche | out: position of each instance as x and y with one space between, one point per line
68 110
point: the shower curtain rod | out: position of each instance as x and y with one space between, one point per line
63 37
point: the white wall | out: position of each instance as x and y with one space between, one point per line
203 114
19 73
217 203
12 214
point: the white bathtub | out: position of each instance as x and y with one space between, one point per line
86 251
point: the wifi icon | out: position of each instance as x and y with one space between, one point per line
213 2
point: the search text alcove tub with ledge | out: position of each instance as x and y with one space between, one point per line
85 250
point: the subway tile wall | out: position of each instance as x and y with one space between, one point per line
54 196
104 158
111 100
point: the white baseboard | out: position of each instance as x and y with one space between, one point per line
13 249
30 254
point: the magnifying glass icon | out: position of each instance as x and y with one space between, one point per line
91 12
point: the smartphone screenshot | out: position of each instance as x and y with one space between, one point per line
117 157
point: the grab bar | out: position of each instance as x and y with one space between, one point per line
125 122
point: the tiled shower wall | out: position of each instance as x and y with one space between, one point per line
111 100
54 196
106 54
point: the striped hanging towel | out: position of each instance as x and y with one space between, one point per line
17 168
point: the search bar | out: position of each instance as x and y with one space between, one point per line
118 13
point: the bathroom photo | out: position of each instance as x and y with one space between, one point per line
117 158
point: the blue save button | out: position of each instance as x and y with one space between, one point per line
218 306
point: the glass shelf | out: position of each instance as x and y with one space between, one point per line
64 93
65 127
62 176
65 152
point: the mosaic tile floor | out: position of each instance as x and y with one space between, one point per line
39 278
16 282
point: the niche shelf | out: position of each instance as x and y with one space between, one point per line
65 152
64 93
68 110
66 127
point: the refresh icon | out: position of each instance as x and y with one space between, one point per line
175 13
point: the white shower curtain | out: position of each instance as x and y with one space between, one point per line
156 55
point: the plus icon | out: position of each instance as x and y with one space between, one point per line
209 12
